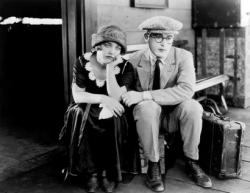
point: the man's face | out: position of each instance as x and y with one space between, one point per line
160 43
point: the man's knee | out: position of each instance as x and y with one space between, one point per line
147 109
190 108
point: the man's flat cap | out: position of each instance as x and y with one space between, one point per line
161 23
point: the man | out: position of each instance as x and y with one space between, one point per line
166 78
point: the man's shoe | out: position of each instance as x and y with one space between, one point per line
154 179
107 185
198 175
92 183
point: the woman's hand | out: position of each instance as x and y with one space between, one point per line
117 60
113 105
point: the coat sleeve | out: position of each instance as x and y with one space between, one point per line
185 82
79 72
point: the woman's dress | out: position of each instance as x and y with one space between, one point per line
99 144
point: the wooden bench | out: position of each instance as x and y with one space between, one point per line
201 84
211 81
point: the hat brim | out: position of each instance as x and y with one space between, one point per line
98 40
162 31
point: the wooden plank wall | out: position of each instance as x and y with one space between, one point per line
120 12
247 67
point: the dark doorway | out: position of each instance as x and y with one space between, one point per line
31 71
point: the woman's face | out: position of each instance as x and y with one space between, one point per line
108 52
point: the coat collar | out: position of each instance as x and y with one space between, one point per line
143 69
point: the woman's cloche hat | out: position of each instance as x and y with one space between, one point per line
110 33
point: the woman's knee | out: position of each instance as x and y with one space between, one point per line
77 109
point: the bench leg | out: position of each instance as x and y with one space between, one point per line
222 93
223 102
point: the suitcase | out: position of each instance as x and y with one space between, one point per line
221 145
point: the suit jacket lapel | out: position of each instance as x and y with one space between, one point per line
168 68
143 70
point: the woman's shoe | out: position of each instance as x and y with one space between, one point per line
107 186
92 183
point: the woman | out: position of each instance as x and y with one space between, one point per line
96 125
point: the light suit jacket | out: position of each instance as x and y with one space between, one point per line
177 76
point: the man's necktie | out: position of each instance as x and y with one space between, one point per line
156 82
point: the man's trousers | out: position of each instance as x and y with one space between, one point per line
186 116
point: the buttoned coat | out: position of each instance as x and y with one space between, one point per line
177 75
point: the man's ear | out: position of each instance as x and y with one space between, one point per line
146 37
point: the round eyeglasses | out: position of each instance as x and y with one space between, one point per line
159 37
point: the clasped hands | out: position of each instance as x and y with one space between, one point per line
115 107
131 97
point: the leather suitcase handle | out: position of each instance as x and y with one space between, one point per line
221 117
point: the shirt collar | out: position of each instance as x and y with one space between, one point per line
153 59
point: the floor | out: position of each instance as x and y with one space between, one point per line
23 149
45 179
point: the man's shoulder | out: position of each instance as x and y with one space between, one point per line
136 56
183 56
182 52
138 53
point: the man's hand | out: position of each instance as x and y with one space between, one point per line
132 97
